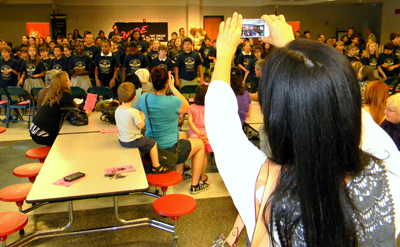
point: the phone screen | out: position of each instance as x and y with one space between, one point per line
254 28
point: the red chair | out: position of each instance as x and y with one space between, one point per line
164 180
2 130
174 206
11 222
15 193
29 170
38 153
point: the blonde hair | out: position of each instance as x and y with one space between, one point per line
356 66
366 52
375 96
394 101
144 75
58 85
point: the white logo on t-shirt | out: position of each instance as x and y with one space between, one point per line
105 66
189 63
57 67
80 65
389 61
89 53
3 69
30 69
163 66
135 64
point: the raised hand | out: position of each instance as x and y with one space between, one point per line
280 33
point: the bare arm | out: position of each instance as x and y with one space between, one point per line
178 81
249 112
185 103
245 77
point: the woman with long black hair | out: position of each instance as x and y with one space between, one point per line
320 188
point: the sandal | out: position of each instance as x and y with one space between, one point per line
161 169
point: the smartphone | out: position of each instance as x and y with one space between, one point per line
254 28
74 176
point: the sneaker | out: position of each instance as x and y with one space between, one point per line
186 177
202 186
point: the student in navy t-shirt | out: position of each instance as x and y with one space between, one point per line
32 71
244 57
137 37
206 53
351 51
154 52
162 60
80 67
60 62
106 66
250 69
388 62
134 61
8 68
90 49
187 64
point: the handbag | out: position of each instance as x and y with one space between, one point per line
166 158
108 115
76 116
230 241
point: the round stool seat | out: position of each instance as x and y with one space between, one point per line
2 130
11 222
28 170
38 153
174 205
15 193
164 180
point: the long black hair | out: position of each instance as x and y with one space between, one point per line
311 103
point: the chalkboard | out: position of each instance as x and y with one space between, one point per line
156 30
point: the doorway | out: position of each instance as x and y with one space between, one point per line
211 25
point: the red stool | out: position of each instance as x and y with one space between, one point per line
164 180
15 193
38 153
174 206
11 222
2 130
29 170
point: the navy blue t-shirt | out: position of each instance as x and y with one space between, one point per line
166 64
84 63
106 66
60 64
142 47
173 55
244 60
371 61
250 67
9 79
151 55
31 69
352 59
187 64
46 62
92 51
133 63
389 60
239 49
205 53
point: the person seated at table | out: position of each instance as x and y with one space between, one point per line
242 96
392 122
42 93
164 111
317 187
47 122
375 96
129 123
134 79
144 77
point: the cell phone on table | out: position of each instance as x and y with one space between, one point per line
74 176
254 28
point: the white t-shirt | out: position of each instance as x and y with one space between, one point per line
127 119
239 161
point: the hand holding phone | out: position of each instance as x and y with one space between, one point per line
254 28
74 176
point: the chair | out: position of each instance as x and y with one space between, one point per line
16 193
34 93
106 92
164 180
392 83
189 89
11 222
29 170
23 102
78 92
2 130
174 206
39 153
3 105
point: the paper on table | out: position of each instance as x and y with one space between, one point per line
62 182
106 131
119 169
90 102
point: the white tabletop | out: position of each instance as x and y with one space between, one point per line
256 116
89 153
95 125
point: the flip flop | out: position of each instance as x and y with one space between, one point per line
162 169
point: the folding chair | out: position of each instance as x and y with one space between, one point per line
78 92
23 102
34 93
106 92
3 103
392 83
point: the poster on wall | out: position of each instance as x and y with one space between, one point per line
38 29
156 30
59 25
295 25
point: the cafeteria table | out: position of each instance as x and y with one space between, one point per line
256 116
95 125
89 153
